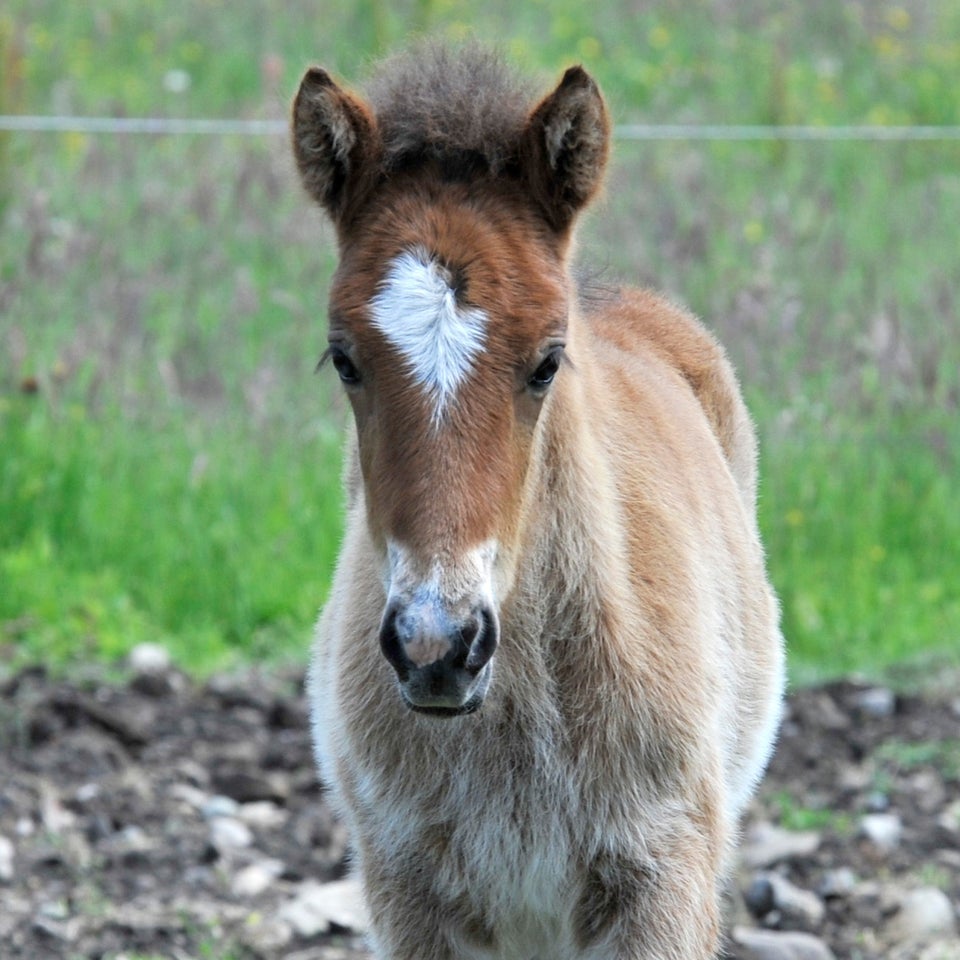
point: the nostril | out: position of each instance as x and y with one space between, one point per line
482 645
392 646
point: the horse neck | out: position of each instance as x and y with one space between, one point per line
576 557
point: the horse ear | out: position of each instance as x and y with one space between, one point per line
334 142
566 145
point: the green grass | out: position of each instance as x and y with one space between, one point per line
792 816
169 460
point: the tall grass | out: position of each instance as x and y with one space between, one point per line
169 460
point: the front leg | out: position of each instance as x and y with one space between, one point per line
410 920
663 906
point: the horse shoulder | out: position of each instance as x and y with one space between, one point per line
642 322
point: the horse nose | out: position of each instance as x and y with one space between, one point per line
439 661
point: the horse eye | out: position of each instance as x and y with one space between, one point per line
542 377
345 367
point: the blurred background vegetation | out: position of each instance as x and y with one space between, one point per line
169 461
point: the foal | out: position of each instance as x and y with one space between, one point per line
549 672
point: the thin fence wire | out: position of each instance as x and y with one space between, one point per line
173 126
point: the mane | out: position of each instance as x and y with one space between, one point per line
464 108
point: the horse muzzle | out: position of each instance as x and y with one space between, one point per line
443 663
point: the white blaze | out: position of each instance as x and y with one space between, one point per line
416 309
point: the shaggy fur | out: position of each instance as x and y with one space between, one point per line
582 532
434 103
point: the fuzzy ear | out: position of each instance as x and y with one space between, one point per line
334 142
566 145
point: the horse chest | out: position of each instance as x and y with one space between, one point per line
501 821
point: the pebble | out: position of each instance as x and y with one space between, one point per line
779 945
947 949
319 906
6 860
876 702
877 802
837 883
228 833
766 845
883 830
149 659
923 913
189 795
252 880
949 819
797 909
219 806
267 935
263 815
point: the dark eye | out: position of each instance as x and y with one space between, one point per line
345 367
542 377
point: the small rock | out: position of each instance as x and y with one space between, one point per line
928 791
855 778
767 844
189 795
837 883
318 907
876 702
56 818
758 896
86 793
877 802
262 815
923 913
219 806
252 880
949 818
6 860
777 945
796 909
227 833
828 715
946 949
149 658
267 936
883 830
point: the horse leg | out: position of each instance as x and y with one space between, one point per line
411 921
663 906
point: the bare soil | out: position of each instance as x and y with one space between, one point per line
111 794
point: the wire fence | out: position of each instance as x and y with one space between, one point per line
173 126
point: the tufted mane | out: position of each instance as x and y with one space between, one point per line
464 108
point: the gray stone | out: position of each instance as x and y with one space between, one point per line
947 948
318 906
923 913
876 703
766 845
837 883
797 909
949 819
219 806
267 935
254 879
778 945
150 659
6 860
227 833
263 815
883 830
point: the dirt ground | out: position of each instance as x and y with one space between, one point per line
158 817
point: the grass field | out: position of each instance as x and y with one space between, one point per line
168 459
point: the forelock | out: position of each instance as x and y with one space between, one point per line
464 107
